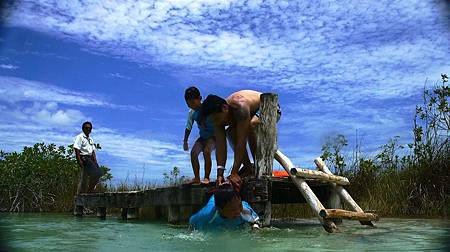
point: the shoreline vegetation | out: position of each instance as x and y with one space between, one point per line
400 180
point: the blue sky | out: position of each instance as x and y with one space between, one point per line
338 67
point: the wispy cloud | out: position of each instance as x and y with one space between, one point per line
14 90
298 46
9 66
118 76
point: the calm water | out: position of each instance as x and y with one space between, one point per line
31 232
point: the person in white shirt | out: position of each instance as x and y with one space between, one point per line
87 160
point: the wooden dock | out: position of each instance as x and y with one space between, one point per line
320 189
190 198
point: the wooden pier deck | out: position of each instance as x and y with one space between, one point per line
277 190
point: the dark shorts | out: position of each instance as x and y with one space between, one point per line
91 168
203 144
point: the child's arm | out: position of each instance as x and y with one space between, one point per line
188 129
185 140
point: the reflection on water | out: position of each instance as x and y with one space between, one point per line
64 232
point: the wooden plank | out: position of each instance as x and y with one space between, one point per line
345 196
350 215
253 190
306 173
307 193
101 212
266 145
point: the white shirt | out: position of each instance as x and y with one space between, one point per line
84 144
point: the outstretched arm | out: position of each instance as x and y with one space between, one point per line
221 149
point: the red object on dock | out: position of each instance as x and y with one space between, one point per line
280 173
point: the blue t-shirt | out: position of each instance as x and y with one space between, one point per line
206 130
208 218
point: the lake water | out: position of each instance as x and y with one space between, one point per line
45 232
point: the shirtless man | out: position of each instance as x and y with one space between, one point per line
240 113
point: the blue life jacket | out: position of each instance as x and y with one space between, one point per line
208 218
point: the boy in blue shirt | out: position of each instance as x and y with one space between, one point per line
224 210
205 143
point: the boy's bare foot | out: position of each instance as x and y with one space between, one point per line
205 181
194 181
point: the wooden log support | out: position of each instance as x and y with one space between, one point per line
124 213
78 210
307 193
334 202
350 215
266 145
345 196
101 212
173 214
306 173
132 213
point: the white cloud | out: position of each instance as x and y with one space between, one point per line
382 48
14 90
9 66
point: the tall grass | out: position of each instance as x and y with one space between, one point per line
403 180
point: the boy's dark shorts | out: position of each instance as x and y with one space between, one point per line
204 141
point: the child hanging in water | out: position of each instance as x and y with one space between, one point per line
205 143
224 210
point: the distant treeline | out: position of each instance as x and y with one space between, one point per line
41 178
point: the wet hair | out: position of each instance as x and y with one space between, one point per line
191 93
86 123
224 194
212 104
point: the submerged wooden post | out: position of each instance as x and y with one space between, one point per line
334 202
345 196
101 212
173 214
78 211
124 213
266 145
133 213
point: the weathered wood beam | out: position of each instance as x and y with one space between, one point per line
133 213
307 193
350 215
101 212
266 145
345 196
78 210
306 173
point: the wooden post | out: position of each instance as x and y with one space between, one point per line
124 213
101 212
266 145
306 173
78 211
339 213
307 193
345 196
133 213
173 215
334 202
